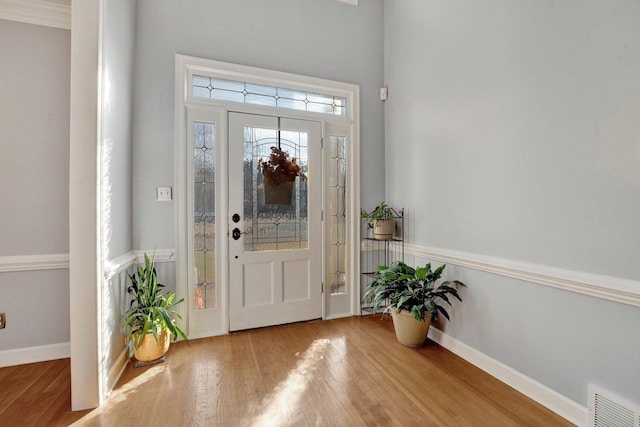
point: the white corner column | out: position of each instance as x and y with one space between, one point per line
84 242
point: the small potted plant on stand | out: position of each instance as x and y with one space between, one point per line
413 297
381 220
150 319
279 173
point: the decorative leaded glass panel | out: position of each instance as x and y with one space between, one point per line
337 216
204 215
274 223
248 93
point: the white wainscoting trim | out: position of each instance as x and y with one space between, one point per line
36 12
123 262
18 263
542 394
33 262
42 353
611 288
162 255
119 264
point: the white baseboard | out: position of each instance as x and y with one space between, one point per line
21 356
116 370
542 394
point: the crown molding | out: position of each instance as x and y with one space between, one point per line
36 12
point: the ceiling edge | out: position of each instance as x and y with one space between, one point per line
36 12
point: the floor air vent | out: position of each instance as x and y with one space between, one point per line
607 410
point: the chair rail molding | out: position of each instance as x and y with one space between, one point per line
37 12
161 255
33 262
119 264
123 262
17 263
610 288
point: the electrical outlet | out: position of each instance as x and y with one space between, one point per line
3 320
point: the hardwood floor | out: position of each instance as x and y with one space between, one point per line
346 372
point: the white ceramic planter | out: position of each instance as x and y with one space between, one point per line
409 331
383 229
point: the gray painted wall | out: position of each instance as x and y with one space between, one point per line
119 47
34 180
34 139
37 308
117 139
325 39
513 130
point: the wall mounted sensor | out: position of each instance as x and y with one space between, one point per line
384 93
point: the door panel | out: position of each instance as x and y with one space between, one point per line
275 244
257 291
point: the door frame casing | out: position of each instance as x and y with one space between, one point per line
185 66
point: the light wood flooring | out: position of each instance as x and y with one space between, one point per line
346 372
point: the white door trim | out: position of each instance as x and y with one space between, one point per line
349 126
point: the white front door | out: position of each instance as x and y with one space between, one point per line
275 237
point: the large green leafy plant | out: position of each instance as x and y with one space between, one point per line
150 311
415 290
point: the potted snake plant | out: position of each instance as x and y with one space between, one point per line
150 319
413 296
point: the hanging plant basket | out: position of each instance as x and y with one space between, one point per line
280 174
278 194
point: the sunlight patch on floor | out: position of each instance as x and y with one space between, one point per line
279 407
121 394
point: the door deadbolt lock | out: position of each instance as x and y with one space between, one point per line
235 218
236 233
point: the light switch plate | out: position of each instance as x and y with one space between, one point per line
163 194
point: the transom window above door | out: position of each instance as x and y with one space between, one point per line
270 96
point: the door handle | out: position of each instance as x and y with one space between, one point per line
236 233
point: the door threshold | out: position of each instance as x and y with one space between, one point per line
283 325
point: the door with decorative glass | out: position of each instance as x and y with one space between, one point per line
275 203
